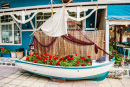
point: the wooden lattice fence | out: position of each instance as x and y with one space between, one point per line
62 47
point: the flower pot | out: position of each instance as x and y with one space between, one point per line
6 55
13 54
19 54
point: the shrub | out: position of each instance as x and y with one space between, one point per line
5 51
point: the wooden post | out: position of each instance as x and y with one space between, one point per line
115 35
120 36
107 40
51 7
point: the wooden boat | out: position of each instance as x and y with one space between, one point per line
96 72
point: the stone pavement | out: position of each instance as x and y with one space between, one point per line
12 77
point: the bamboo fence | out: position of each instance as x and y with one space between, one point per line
63 47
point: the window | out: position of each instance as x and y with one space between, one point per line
10 33
42 17
71 24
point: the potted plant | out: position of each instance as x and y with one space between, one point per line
6 53
118 59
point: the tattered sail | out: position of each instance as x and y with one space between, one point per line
56 25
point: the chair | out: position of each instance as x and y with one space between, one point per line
122 50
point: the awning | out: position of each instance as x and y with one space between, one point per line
118 12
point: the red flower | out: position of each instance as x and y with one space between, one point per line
57 63
89 56
61 58
1 48
35 61
27 58
40 58
88 62
110 57
71 58
78 61
49 58
57 55
55 58
81 57
121 56
76 65
76 54
31 55
44 60
51 63
37 57
36 53
83 64
68 56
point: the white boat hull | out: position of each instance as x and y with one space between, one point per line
95 72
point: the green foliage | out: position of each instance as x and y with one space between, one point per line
110 48
118 59
5 51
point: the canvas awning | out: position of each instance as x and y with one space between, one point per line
118 12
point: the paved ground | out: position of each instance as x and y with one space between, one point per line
11 77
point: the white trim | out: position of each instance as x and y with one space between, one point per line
70 4
31 22
84 22
91 29
95 19
12 24
28 30
13 33
107 40
10 44
49 10
119 22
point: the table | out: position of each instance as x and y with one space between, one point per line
120 45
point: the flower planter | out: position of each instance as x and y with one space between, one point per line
19 54
96 72
6 55
13 54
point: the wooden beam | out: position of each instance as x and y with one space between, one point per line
120 36
71 4
115 35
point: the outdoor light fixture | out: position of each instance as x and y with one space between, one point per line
126 25
5 6
91 24
31 47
